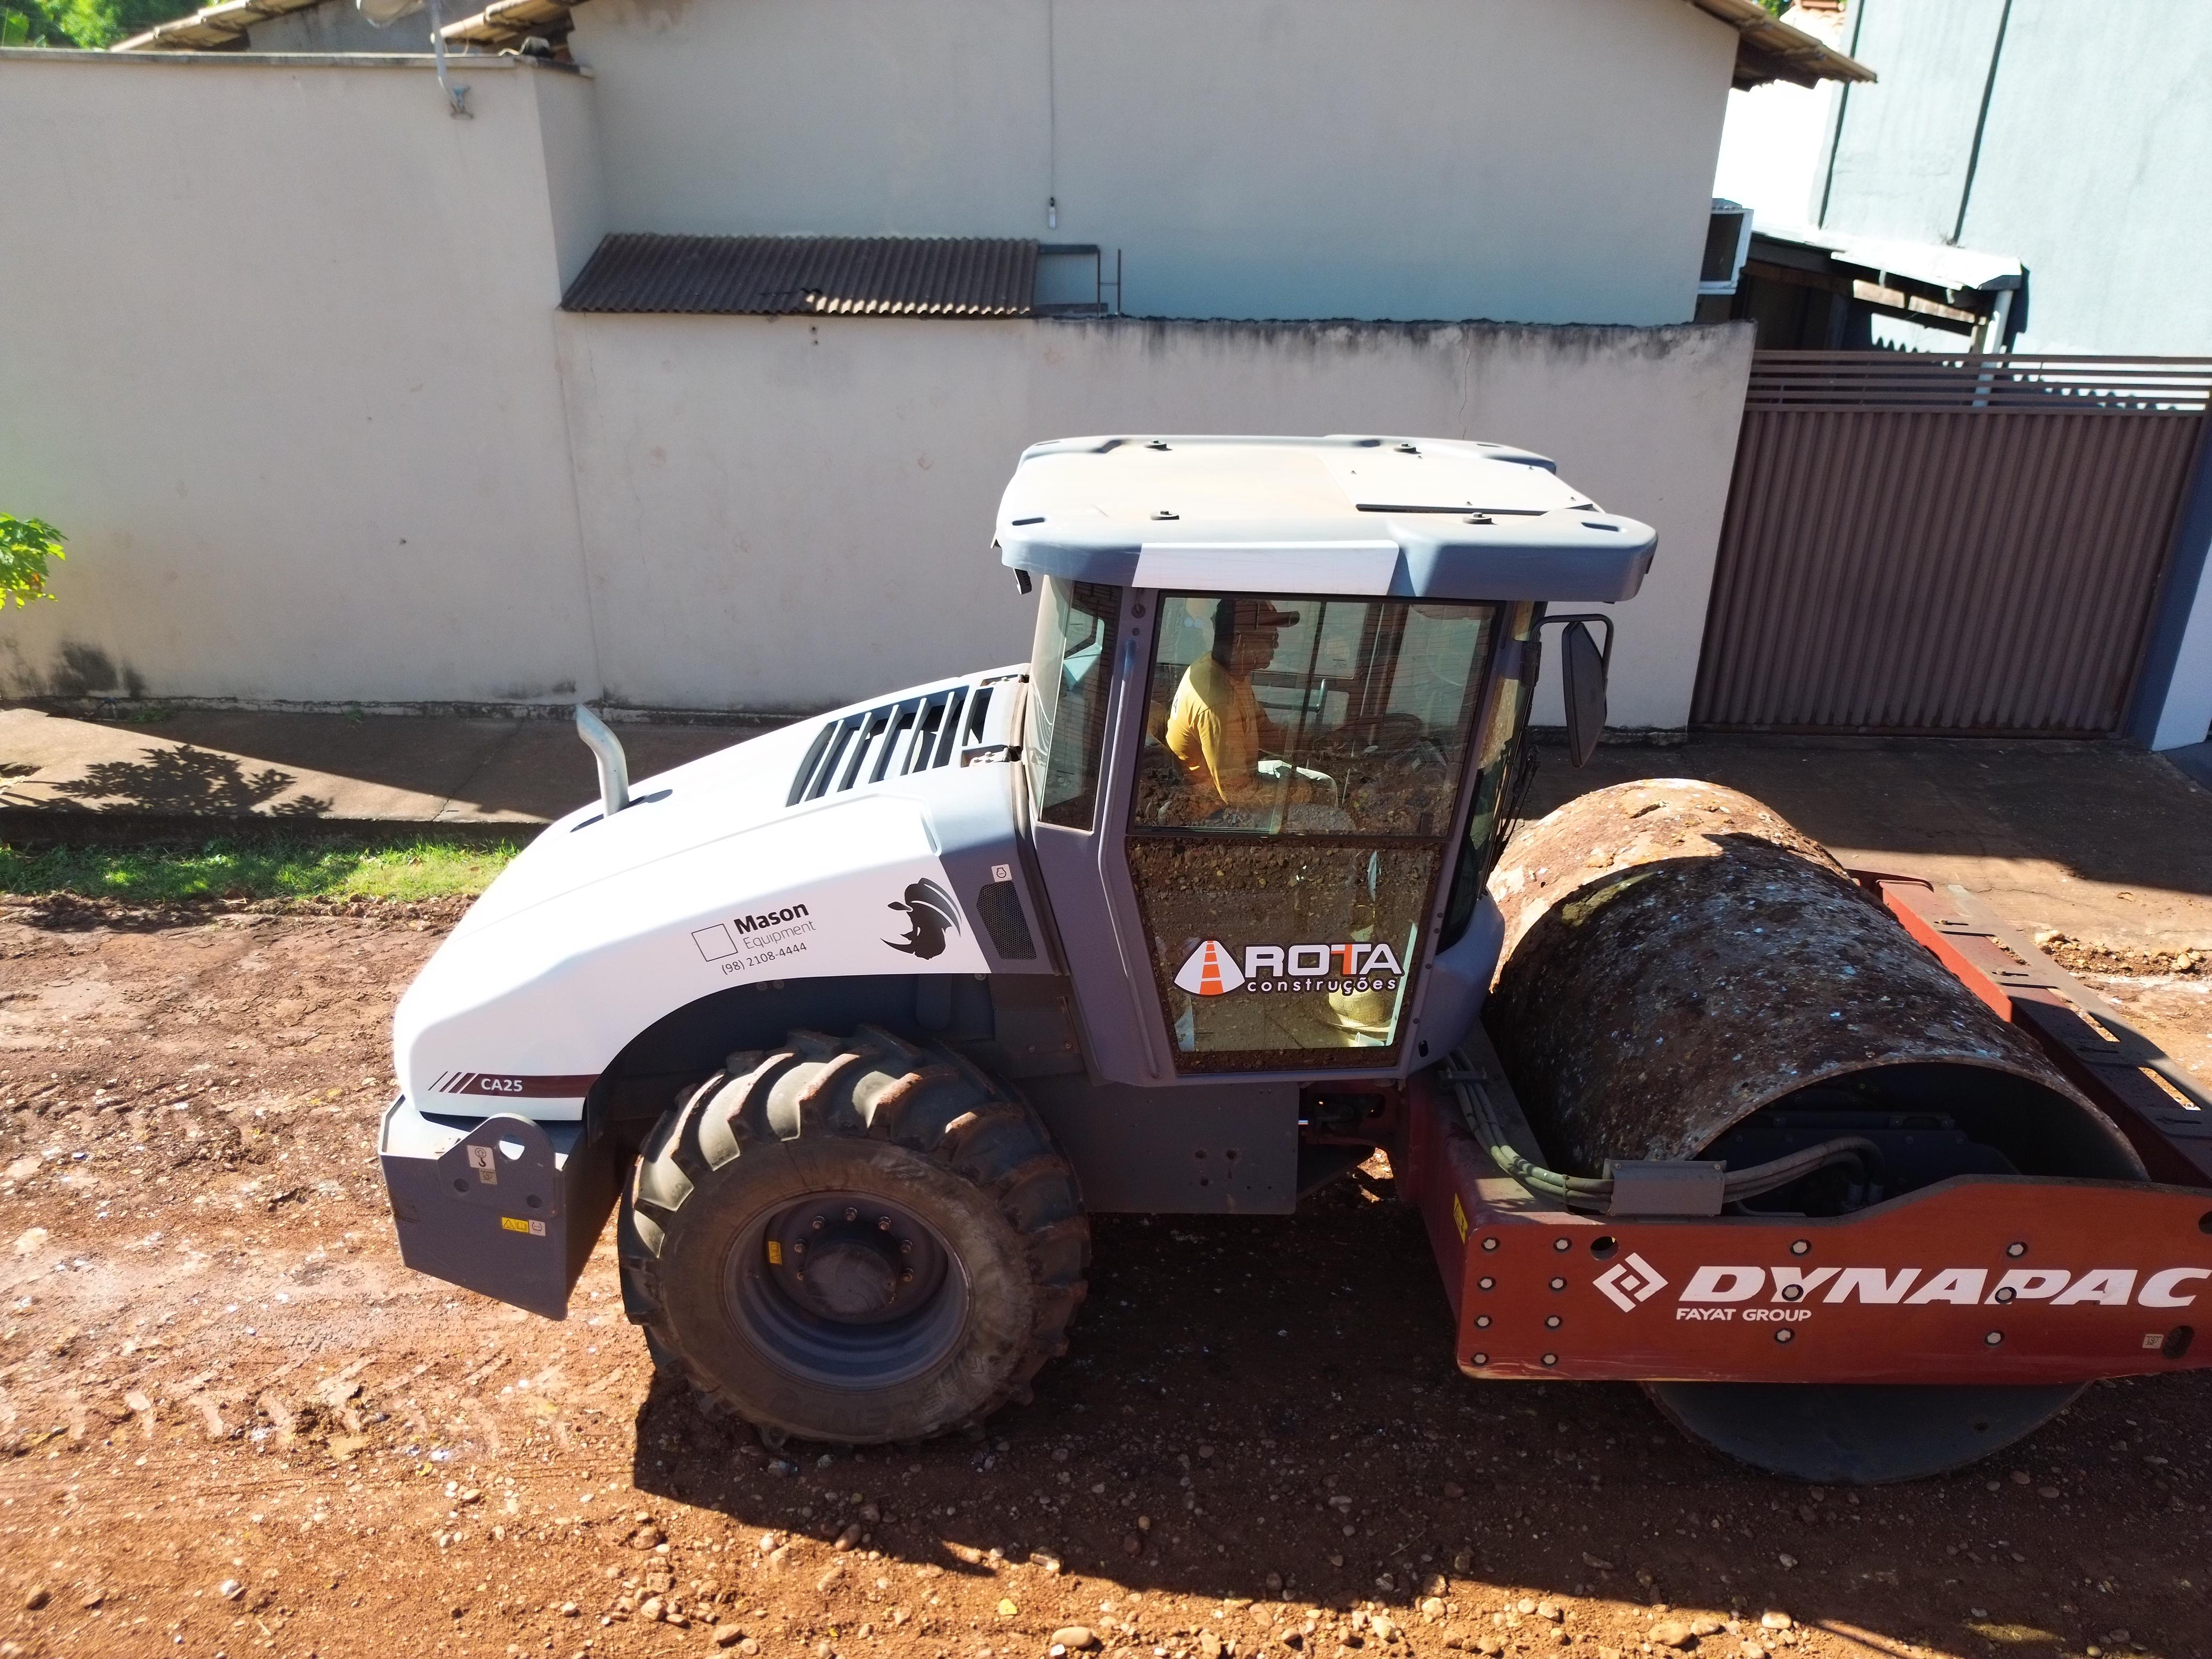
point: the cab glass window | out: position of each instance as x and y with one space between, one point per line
1306 716
1501 785
1299 773
1070 679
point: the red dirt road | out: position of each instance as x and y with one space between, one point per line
235 1425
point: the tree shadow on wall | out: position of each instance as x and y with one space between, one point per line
185 779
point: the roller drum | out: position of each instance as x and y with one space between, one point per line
1680 960
1687 976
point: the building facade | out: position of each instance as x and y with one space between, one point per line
2068 142
313 412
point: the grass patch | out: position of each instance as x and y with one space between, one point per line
256 867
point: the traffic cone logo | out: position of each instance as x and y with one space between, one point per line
1210 970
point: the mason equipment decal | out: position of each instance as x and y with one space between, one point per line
1635 1280
1212 969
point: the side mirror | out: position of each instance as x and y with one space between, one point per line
1584 668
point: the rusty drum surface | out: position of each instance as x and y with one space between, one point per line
1678 957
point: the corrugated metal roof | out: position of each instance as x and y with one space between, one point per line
211 28
507 22
1766 49
810 276
1938 265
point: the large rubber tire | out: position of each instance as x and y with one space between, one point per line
962 1177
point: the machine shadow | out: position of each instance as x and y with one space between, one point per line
1214 1356
1296 1371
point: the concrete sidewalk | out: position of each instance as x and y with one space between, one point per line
367 767
2097 840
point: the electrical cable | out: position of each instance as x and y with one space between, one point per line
1594 1193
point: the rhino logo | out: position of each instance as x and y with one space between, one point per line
930 913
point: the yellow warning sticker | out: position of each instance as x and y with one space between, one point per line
515 1224
774 1253
1459 1218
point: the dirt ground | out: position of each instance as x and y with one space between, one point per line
235 1425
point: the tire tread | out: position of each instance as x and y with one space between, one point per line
875 1086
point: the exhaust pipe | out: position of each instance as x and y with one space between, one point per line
614 766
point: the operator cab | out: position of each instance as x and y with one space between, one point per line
1277 688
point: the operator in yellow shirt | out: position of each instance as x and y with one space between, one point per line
1216 729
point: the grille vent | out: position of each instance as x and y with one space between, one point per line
1001 907
915 734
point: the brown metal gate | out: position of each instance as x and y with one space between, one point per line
1966 546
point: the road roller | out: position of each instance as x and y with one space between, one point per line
850 1029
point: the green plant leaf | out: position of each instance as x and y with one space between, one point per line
26 544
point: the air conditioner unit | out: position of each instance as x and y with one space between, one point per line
1728 244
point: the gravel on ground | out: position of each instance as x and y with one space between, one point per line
231 1423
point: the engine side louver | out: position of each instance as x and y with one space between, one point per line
915 734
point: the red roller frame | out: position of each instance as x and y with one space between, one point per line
1976 1279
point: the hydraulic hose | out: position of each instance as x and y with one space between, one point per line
1595 1192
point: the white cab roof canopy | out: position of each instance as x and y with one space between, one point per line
1408 518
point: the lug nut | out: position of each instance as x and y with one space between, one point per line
799 1248
818 1221
882 1224
907 1278
906 1247
851 1214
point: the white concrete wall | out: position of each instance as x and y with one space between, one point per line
338 26
1900 156
288 372
576 176
788 515
2184 713
1534 160
2092 165
2092 172
281 369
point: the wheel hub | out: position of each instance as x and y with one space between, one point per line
852 1282
850 1288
